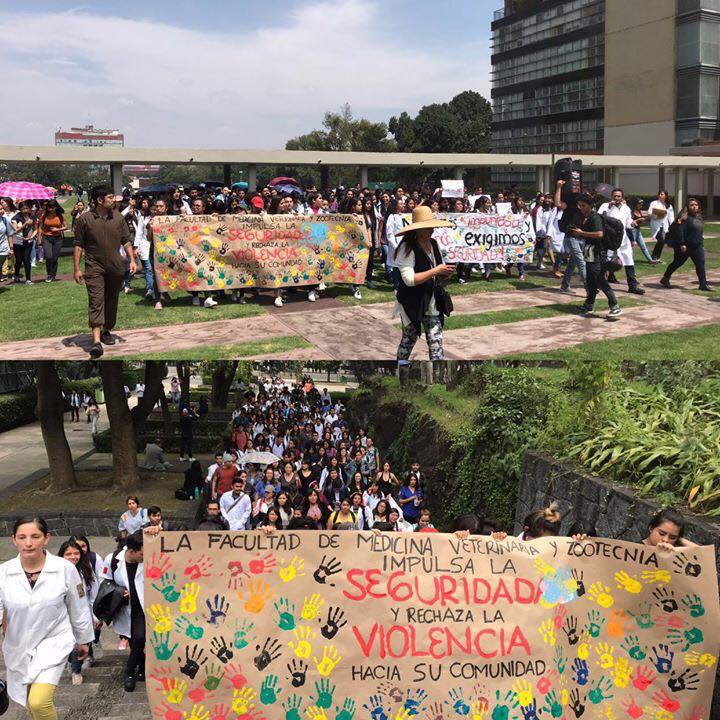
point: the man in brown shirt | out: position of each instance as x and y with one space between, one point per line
100 233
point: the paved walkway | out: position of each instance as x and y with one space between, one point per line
368 332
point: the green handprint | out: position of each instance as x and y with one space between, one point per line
213 676
292 707
694 604
597 694
240 639
631 645
194 632
501 711
161 646
324 693
560 660
348 710
642 617
553 705
594 623
167 588
269 690
285 610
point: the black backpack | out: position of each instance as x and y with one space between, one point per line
111 597
613 233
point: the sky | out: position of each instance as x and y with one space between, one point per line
233 74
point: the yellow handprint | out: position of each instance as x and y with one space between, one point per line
311 607
161 617
547 630
600 594
694 659
628 582
328 662
175 691
583 650
303 636
315 713
623 673
258 594
198 712
478 710
523 692
543 568
606 655
242 700
403 713
656 576
661 714
188 597
293 570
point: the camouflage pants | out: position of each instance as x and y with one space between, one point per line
433 334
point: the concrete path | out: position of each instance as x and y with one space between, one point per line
339 331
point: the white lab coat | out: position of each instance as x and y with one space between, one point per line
624 215
121 622
44 623
557 236
238 516
657 224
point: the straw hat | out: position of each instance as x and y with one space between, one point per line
422 217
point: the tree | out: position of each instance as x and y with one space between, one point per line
155 373
122 428
50 412
184 371
223 374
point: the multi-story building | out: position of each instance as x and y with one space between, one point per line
89 136
605 76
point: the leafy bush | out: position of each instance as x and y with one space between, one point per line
16 409
89 385
202 444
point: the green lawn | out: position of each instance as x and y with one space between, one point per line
228 352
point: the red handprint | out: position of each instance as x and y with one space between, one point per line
663 700
699 713
670 621
200 568
163 675
559 616
260 565
632 708
236 568
167 712
235 676
252 715
200 694
158 566
644 678
220 712
545 683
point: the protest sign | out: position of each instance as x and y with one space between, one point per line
227 252
453 188
503 208
333 626
484 238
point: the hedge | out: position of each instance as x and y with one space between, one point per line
205 444
17 409
89 385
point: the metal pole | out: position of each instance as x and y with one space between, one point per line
116 177
363 176
252 177
680 188
661 178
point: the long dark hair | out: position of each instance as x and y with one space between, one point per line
83 566
411 240
39 522
668 515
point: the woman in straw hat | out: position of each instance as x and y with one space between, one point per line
421 299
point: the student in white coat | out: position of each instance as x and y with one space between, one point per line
620 210
662 216
43 602
235 505
126 570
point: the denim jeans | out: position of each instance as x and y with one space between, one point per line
636 236
575 248
149 281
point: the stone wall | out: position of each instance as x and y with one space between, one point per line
615 510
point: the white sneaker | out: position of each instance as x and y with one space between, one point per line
312 296
158 305
278 301
542 267
33 264
209 302
77 679
196 301
128 290
357 294
322 286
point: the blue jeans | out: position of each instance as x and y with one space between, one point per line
575 248
149 280
636 236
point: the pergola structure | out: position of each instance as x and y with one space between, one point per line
116 157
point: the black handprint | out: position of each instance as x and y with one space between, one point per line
298 671
222 229
180 242
224 248
570 629
578 576
193 660
665 599
220 649
171 263
576 705
270 651
326 570
688 679
682 565
199 259
182 258
211 266
334 622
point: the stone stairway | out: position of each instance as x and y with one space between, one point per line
100 697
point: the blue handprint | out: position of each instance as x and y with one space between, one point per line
457 702
413 700
580 668
218 610
663 658
376 708
530 711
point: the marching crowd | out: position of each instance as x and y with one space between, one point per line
294 463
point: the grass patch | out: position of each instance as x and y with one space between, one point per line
60 309
504 317
699 343
95 493
225 352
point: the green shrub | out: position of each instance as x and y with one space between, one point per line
16 409
205 444
89 385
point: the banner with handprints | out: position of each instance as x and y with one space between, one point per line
350 625
229 252
484 238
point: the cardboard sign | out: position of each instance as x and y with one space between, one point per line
345 625
453 188
227 252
